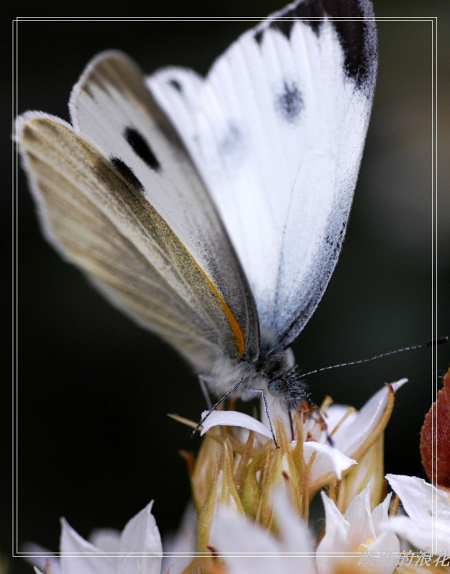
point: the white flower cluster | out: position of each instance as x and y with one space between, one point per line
244 547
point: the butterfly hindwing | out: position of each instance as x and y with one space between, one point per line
96 219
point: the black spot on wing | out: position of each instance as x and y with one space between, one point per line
354 25
232 147
290 102
232 141
127 173
141 148
175 84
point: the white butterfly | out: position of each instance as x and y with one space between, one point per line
213 210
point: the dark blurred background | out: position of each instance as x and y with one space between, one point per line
94 441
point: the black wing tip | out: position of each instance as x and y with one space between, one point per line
353 21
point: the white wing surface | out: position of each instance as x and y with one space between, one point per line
277 131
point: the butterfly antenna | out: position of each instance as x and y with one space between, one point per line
432 343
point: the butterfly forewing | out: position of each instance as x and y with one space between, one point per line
277 130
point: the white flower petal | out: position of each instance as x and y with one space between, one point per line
335 413
417 498
413 532
422 526
359 515
234 419
72 544
184 541
328 459
39 557
389 544
419 534
105 539
294 532
380 514
344 533
139 545
141 536
349 437
232 534
336 534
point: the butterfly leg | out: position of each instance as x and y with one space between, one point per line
313 409
214 407
266 408
291 424
203 379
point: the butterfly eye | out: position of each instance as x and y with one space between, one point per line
277 387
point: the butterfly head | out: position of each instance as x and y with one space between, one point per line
283 379
289 387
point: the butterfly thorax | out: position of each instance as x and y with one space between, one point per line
274 372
